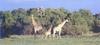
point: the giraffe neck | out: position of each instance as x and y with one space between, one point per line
33 21
62 24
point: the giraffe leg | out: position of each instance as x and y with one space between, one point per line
54 34
59 34
35 34
45 37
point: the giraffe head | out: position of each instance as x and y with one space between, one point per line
32 15
66 20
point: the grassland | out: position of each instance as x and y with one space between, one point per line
55 41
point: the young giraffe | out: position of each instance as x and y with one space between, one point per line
48 32
36 26
59 28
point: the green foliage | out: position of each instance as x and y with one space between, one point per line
8 19
81 21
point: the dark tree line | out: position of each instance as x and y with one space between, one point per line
17 21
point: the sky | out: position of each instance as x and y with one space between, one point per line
72 5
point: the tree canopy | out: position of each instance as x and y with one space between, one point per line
81 21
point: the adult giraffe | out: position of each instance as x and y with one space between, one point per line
37 27
59 28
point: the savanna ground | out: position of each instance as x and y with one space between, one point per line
30 40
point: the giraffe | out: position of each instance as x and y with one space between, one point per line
59 28
48 32
36 26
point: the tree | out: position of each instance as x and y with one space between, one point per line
8 21
96 27
78 26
